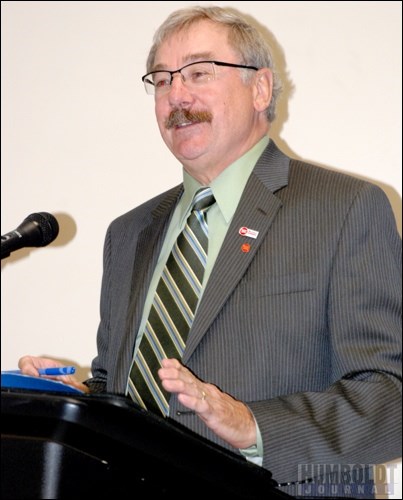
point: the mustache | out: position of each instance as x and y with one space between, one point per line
182 116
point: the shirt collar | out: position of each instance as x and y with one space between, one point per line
228 186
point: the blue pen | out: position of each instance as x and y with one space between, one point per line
59 370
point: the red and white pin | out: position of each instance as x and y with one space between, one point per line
250 233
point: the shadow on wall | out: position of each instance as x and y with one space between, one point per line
282 114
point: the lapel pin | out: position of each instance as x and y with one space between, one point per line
245 247
250 233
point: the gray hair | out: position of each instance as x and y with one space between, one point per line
242 36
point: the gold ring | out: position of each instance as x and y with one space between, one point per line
203 395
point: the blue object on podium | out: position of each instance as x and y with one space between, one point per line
15 380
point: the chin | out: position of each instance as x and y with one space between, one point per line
189 148
189 154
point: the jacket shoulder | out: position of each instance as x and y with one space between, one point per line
143 213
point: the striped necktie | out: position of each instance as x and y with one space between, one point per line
173 308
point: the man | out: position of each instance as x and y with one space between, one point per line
293 355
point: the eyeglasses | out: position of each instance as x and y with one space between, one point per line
193 75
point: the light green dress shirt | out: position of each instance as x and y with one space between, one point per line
227 190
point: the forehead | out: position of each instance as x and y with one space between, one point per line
201 40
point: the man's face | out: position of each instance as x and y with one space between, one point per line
227 104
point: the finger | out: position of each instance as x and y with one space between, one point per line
197 402
29 366
172 369
171 363
169 374
32 363
203 395
75 383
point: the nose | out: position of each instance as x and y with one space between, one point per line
176 73
178 93
177 79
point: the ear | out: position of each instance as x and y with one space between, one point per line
263 89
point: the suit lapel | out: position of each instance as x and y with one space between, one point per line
257 209
150 241
146 254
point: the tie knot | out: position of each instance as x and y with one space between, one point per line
203 199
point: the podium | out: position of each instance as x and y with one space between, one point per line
76 446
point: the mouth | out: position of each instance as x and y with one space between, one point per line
184 124
180 118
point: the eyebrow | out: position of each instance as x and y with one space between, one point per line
200 56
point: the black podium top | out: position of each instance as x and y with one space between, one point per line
66 446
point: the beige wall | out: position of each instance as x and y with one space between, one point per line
79 138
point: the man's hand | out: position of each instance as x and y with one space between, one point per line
29 366
229 418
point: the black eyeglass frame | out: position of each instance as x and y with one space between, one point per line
217 63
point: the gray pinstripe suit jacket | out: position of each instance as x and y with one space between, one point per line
305 327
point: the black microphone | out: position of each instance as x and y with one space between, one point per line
37 230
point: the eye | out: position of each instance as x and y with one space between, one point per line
199 72
161 80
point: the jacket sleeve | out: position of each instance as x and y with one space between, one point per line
358 417
98 382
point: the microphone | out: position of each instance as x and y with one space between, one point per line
37 230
